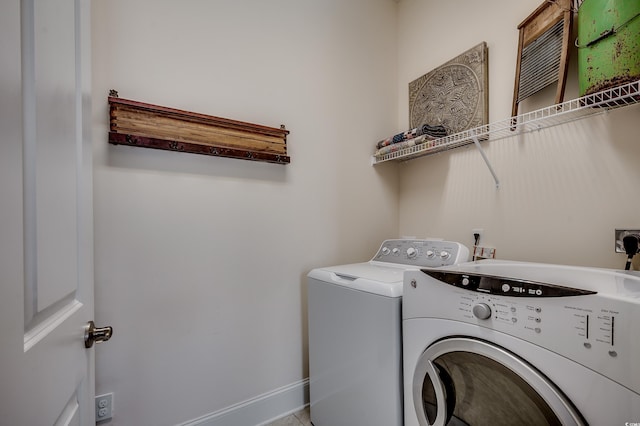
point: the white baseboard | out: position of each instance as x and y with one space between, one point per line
259 410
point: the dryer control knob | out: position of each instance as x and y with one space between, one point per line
482 311
444 255
411 252
430 254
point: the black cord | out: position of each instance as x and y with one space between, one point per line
631 245
476 236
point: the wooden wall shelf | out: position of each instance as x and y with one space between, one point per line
145 125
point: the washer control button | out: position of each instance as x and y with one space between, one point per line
385 251
411 252
482 311
506 287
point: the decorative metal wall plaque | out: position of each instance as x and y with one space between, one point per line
454 95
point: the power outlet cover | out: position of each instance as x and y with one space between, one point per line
620 234
104 407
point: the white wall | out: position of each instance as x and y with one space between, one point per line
563 190
200 261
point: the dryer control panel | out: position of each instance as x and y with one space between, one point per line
421 253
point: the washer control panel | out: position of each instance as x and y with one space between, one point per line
489 284
422 253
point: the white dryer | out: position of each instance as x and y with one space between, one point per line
515 343
355 335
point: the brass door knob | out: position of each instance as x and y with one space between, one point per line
93 334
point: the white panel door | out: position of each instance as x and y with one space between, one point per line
46 241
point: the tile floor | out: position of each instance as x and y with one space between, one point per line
299 418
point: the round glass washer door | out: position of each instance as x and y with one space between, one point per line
463 381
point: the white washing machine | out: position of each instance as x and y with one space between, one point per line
355 335
514 343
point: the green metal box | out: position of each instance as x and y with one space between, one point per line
608 44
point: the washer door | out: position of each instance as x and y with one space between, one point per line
464 381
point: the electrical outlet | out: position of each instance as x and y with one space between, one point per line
620 234
104 407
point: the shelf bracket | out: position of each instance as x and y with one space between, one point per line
474 137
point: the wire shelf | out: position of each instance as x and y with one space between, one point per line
565 112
